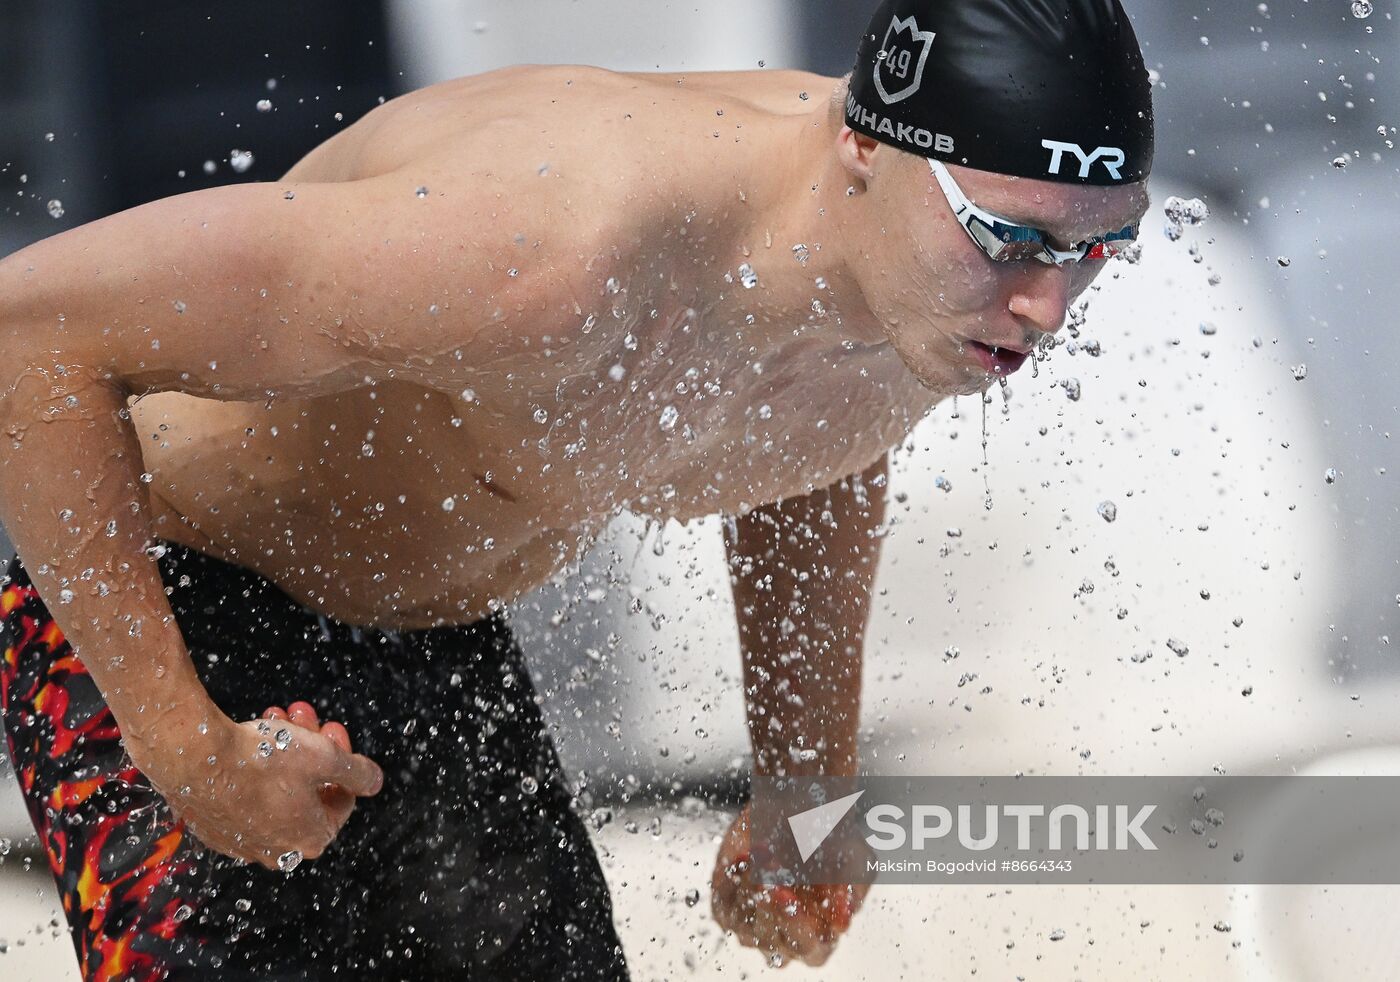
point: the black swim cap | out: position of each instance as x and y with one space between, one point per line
1050 89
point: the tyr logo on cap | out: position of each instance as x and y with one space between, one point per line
1113 158
899 70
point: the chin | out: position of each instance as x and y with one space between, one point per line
944 380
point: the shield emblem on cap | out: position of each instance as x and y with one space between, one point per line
899 70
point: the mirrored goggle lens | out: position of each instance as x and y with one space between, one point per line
1006 243
1113 245
1109 249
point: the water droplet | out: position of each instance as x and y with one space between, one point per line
210 167
1184 213
1330 475
942 484
541 415
55 208
240 160
692 897
180 307
1300 372
800 251
1341 162
264 749
1361 9
1285 262
1108 511
289 861
669 415
529 785
748 277
448 503
183 913
1072 389
1208 329
1058 934
65 596
1178 648
282 739
616 373
264 105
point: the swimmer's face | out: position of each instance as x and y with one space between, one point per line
935 292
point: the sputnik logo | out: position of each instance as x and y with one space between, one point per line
811 828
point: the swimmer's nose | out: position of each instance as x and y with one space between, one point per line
1041 296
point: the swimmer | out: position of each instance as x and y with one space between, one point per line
279 455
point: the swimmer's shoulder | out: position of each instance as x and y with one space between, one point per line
783 92
558 104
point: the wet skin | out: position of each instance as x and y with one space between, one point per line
412 379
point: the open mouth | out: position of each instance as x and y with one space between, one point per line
996 361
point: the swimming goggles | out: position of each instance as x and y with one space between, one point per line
1006 241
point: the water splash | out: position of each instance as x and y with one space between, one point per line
1184 213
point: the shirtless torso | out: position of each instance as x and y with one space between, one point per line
643 374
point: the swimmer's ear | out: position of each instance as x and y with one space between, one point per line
857 152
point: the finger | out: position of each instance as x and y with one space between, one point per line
339 804
771 941
802 938
782 918
276 712
303 714
841 906
338 735
355 773
732 908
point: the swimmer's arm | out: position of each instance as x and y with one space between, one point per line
802 571
234 293
73 504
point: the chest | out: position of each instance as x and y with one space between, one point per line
676 414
